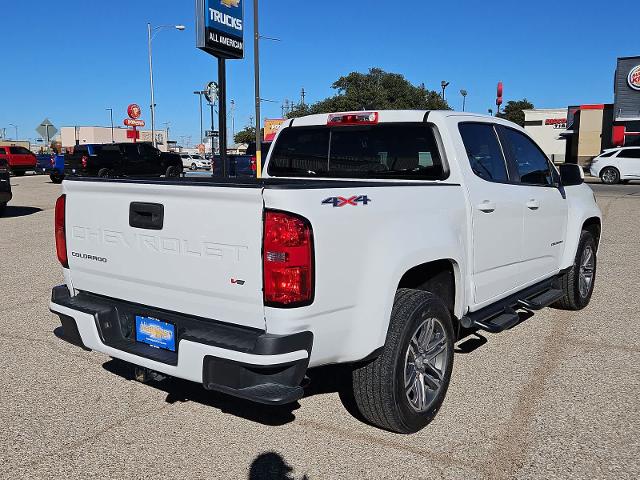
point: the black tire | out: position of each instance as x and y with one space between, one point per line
3 206
576 298
193 167
173 172
610 175
379 386
19 173
105 173
56 178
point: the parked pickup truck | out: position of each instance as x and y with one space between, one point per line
122 160
376 239
5 185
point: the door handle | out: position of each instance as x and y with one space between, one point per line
533 204
487 207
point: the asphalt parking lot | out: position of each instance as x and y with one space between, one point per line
555 397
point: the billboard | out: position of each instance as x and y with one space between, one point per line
627 89
220 27
271 127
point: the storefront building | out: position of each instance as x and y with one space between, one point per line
593 128
547 126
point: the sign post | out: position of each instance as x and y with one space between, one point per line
134 112
220 32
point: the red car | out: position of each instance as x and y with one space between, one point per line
19 159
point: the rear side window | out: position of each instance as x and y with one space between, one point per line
608 154
398 151
484 151
532 165
19 151
631 153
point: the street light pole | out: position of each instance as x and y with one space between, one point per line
150 31
200 93
256 64
464 94
16 127
110 110
444 84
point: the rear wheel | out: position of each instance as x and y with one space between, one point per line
3 206
173 171
56 178
105 173
610 175
19 173
578 283
193 166
403 389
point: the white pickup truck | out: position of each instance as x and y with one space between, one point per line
375 239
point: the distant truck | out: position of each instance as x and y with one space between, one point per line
5 185
19 159
241 165
115 160
375 240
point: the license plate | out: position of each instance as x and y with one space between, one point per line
156 333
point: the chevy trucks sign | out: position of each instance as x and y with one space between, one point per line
220 27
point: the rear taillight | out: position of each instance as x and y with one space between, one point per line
84 162
287 260
254 164
61 237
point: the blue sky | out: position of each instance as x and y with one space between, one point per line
69 60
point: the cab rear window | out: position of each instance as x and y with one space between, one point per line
398 151
19 151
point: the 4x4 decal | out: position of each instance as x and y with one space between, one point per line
342 201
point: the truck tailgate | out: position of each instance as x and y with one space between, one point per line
206 259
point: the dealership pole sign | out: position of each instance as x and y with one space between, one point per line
220 27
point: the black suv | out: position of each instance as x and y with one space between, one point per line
122 160
5 185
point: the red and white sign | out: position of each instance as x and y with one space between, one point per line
130 122
134 111
133 134
634 78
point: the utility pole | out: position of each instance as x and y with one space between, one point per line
256 65
233 120
200 93
303 94
110 110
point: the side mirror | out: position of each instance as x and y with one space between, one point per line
571 174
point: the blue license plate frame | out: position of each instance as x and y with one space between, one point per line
156 333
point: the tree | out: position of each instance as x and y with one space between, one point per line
514 111
375 90
247 135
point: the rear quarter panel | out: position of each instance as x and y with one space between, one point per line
361 253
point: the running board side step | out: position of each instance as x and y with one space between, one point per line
543 300
500 323
502 314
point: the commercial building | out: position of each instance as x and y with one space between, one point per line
72 136
593 128
547 126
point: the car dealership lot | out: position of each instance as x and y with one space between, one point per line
555 397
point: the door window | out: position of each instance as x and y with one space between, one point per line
531 164
630 153
484 151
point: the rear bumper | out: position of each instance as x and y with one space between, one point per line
242 362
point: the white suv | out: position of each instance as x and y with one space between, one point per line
617 165
194 162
